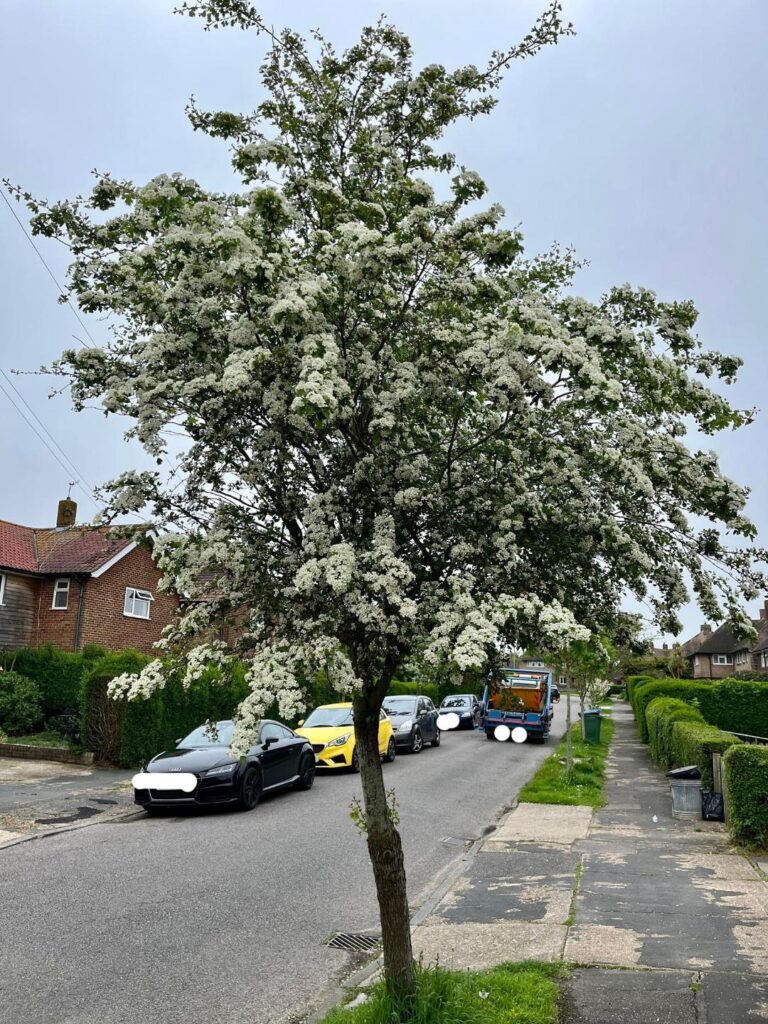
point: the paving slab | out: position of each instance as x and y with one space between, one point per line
543 823
595 996
477 946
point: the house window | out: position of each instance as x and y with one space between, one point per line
696 660
535 664
722 659
137 603
2 588
61 595
764 659
741 657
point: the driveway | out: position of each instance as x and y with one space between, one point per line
223 916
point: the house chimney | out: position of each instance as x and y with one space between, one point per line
764 610
665 647
705 628
67 512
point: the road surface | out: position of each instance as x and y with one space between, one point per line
221 917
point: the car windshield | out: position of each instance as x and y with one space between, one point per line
455 702
328 717
399 705
213 734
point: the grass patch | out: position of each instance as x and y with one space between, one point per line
552 784
509 994
41 739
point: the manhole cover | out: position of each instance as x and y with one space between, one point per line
357 942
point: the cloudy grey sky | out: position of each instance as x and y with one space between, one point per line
641 141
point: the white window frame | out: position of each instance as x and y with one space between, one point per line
2 588
722 659
134 594
764 659
741 657
61 585
696 660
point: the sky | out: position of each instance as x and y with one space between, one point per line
641 141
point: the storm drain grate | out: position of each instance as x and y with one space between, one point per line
357 942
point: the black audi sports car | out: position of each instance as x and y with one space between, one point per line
201 771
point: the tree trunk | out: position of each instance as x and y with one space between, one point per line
386 853
568 739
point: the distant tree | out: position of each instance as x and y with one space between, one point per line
400 434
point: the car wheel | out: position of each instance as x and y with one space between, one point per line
418 743
251 789
355 763
306 772
391 753
436 740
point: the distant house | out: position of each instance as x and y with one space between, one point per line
75 585
537 662
717 653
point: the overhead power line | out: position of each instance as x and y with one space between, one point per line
31 425
72 467
51 274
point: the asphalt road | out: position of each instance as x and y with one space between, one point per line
221 917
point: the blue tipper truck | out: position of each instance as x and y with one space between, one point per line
520 697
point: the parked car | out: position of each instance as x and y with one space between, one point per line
466 706
414 720
331 732
201 771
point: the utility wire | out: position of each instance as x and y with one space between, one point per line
50 272
73 468
30 424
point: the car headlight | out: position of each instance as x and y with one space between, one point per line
465 714
405 726
224 769
339 741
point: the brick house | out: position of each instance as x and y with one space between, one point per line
75 585
717 653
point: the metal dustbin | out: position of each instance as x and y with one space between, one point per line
592 721
685 784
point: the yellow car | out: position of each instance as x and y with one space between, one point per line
332 734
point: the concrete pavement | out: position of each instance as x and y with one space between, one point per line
667 921
222 916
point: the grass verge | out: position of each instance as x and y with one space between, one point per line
509 994
41 739
552 784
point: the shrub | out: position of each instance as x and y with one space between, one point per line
57 673
632 683
103 719
741 706
695 742
746 791
20 703
661 714
699 695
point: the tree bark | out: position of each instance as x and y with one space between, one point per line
385 851
568 739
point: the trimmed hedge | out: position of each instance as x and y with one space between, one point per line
731 704
746 791
402 688
699 695
696 742
678 735
57 673
661 714
131 732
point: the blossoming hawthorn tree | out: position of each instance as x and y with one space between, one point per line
401 434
